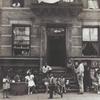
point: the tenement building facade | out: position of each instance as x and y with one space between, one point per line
35 32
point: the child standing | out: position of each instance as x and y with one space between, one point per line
98 80
6 86
31 84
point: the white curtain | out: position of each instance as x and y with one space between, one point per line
92 4
54 1
68 0
48 1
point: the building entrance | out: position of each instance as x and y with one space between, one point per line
56 49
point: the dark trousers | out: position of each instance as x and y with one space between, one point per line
5 93
51 90
32 89
59 90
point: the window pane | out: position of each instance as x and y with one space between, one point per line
27 30
48 1
17 3
93 4
90 48
90 41
21 43
85 34
90 34
94 34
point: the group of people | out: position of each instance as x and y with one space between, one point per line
84 77
29 80
55 84
59 85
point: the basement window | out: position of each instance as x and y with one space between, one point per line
21 40
90 41
17 3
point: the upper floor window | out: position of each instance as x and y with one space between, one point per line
21 40
90 34
68 0
93 4
54 1
90 41
17 3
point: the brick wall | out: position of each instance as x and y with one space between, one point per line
25 16
11 16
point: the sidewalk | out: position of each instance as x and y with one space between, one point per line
68 96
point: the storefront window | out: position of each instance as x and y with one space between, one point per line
21 40
17 3
90 41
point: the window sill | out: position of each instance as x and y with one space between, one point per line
91 9
95 56
17 8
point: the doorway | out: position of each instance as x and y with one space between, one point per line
56 48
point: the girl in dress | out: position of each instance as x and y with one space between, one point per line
31 84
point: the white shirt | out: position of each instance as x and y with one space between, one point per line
46 69
30 80
80 69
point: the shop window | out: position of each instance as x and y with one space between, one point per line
17 3
21 40
93 4
90 42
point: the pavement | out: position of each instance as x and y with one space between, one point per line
68 96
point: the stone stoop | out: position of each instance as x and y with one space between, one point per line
58 71
62 71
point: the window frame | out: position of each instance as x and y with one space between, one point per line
21 25
98 41
93 3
